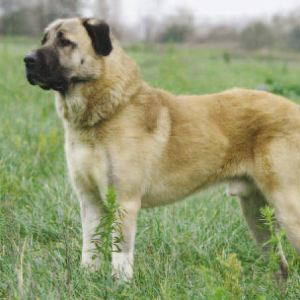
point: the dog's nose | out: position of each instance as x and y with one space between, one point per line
31 59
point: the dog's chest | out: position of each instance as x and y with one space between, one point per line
88 166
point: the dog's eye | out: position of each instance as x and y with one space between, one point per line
65 43
45 38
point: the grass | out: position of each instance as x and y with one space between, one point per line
197 249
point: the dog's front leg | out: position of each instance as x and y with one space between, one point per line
91 212
122 258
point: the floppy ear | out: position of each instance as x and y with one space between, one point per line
99 34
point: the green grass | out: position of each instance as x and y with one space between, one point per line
197 249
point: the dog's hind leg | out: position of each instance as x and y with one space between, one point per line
251 201
277 174
287 210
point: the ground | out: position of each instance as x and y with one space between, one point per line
197 249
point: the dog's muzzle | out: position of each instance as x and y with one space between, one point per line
31 61
34 67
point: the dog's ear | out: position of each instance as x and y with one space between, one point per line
99 34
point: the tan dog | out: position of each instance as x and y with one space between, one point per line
156 148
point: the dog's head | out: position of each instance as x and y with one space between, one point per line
72 50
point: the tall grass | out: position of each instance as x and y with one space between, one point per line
197 249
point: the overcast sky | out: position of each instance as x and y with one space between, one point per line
133 10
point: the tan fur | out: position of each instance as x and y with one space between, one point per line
156 148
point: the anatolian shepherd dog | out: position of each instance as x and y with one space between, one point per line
155 148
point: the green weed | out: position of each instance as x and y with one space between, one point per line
108 234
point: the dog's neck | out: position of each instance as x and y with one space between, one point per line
86 104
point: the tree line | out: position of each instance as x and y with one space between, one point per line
29 17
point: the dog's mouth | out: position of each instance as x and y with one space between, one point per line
33 79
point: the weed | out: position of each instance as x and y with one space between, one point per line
108 234
271 225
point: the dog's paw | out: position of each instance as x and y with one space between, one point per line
122 266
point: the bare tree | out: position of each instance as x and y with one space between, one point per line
6 7
29 17
61 8
150 22
115 11
148 27
102 9
178 28
257 35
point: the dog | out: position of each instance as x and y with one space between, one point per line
155 148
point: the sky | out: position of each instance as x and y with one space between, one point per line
214 10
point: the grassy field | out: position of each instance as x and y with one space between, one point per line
197 249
